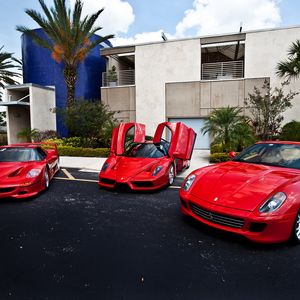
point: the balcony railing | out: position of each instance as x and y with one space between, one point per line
124 77
223 70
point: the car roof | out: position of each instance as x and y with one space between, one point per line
22 145
280 142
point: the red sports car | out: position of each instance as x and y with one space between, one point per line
257 194
147 165
26 169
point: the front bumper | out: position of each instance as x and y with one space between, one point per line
271 229
134 184
21 191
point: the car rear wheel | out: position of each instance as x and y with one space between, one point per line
171 175
295 237
47 180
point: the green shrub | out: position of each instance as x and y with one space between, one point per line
74 141
216 148
290 131
219 157
84 152
58 142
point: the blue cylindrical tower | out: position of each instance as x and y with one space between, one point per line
40 68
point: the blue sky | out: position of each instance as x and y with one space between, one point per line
135 21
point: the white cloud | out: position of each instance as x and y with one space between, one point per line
224 16
116 18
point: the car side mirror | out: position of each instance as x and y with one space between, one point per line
232 154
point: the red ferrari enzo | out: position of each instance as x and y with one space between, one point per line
26 169
257 194
147 165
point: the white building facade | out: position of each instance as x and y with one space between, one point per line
184 80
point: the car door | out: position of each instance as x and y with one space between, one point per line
181 138
126 133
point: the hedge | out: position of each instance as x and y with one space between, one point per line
85 152
219 157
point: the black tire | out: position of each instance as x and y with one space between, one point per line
47 179
171 175
295 235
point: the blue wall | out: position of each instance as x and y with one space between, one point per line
40 68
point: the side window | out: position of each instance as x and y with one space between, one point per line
129 137
41 153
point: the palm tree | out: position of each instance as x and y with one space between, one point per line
69 37
290 68
226 125
7 64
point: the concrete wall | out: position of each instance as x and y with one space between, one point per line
156 64
120 100
42 101
197 99
263 51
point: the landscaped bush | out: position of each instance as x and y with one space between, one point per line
85 152
219 157
216 148
290 131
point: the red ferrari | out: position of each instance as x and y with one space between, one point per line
147 165
257 194
26 169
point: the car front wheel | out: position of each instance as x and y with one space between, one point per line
171 175
296 230
47 180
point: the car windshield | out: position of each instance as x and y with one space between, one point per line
281 155
18 154
147 150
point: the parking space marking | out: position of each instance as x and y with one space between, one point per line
75 179
174 187
67 173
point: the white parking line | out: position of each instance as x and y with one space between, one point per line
74 179
174 187
68 174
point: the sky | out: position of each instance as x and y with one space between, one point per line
139 21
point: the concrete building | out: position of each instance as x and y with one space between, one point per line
184 80
28 106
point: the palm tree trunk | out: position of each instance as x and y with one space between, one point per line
70 74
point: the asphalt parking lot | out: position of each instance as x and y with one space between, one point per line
76 241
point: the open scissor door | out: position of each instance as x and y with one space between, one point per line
126 133
181 138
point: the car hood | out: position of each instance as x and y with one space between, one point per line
128 167
6 168
240 185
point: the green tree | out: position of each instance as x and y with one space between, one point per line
89 120
266 106
70 37
291 131
8 67
227 127
290 68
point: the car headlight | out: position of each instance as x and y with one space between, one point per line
33 173
273 203
188 182
104 167
157 169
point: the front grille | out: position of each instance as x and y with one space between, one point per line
107 181
143 184
217 218
6 190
